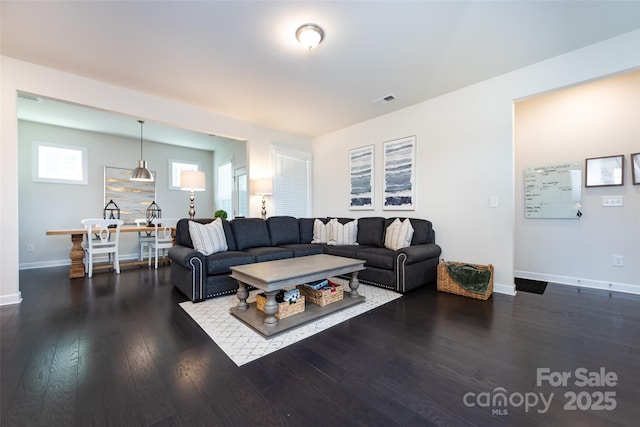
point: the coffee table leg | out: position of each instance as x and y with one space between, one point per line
270 309
353 284
242 295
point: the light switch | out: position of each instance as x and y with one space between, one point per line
612 201
493 201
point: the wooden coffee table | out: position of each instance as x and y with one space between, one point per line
272 276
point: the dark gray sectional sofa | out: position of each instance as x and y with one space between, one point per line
252 240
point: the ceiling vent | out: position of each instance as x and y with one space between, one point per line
384 99
29 97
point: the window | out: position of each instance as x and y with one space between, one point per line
224 188
291 183
60 164
176 167
241 207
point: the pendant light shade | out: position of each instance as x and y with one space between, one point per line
141 173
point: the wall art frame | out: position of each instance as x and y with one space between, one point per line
635 168
399 160
604 171
362 178
132 197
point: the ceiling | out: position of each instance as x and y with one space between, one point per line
241 59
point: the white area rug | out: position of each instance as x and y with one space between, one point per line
242 344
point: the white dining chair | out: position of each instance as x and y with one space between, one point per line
103 236
144 238
163 237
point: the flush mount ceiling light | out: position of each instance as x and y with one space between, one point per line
309 35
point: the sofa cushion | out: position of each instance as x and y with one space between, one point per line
398 234
422 232
268 253
371 231
250 233
305 226
342 234
377 257
220 262
305 249
283 230
348 251
208 238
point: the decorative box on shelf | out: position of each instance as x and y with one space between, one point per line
285 309
331 293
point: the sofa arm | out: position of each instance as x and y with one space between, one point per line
417 253
183 255
189 272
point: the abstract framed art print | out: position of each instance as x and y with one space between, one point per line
399 174
361 193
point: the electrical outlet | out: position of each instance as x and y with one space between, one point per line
30 247
618 260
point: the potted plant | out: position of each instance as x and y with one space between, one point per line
220 213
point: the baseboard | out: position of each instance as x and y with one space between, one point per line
579 282
11 299
63 262
499 288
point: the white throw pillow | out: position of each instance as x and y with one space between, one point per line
343 234
208 238
319 232
399 234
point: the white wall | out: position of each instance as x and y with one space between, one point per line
465 154
22 76
596 119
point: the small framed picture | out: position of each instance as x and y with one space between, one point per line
635 168
604 171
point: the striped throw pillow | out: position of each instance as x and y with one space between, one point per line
320 233
208 238
343 234
399 234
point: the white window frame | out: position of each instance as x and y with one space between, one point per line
178 166
36 160
228 207
299 155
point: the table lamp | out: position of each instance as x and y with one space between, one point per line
263 187
192 181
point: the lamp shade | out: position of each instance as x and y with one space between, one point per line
192 181
141 173
262 186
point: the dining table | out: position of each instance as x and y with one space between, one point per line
76 254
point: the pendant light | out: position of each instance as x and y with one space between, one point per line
141 173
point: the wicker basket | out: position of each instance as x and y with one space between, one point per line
322 297
285 309
447 284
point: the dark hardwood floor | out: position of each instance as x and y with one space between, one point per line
117 350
